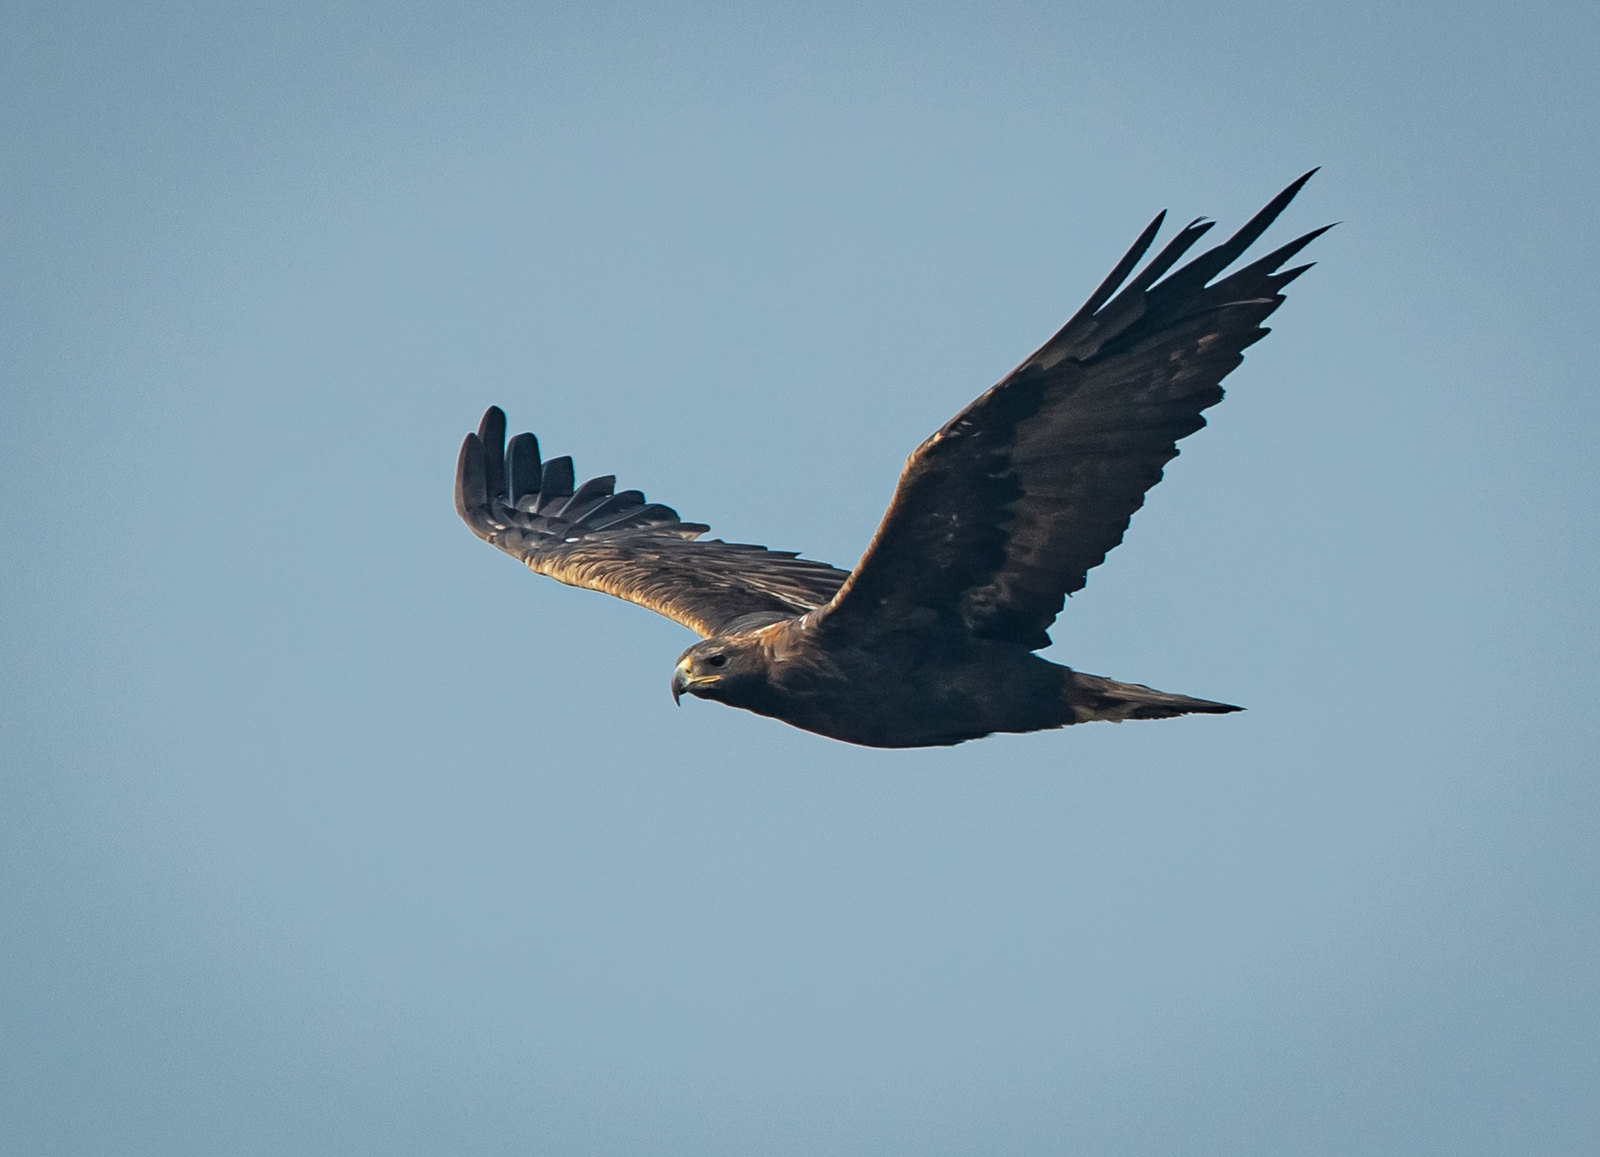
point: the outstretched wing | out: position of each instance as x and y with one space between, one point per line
593 536
1004 511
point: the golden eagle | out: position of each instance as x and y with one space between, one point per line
997 517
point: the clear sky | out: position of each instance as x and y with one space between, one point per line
326 829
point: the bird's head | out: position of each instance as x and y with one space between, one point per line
726 669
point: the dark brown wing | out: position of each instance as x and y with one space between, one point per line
616 542
1005 510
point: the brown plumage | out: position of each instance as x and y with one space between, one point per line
997 517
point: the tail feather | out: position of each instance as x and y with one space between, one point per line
1091 697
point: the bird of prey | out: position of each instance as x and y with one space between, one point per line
998 516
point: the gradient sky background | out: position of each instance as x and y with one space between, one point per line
326 829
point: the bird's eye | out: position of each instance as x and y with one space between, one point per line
717 660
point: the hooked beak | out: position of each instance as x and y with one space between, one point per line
683 680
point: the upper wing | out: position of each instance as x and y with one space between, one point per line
618 543
1004 511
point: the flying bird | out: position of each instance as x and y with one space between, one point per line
998 516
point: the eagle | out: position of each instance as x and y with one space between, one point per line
931 640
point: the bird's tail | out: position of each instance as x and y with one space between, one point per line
1092 697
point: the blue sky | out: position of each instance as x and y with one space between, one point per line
326 829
